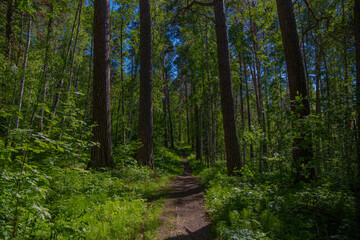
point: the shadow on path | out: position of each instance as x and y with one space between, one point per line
184 215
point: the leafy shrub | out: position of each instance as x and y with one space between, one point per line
250 206
56 198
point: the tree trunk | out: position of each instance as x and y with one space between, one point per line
214 127
248 107
357 44
166 131
357 47
318 78
166 141
22 83
101 155
88 89
180 130
197 138
46 64
132 91
170 119
9 33
233 155
242 109
302 146
72 65
145 135
61 82
187 114
121 100
20 38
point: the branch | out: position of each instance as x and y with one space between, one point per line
310 10
204 15
188 7
210 4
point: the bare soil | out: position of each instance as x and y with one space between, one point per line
184 216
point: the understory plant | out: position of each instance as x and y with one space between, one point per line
253 206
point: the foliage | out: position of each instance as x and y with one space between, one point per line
49 201
248 206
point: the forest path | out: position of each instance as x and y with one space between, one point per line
184 216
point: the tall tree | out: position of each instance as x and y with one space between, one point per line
233 155
357 45
101 155
232 146
8 31
299 102
22 82
144 154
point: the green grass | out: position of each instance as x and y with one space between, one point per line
74 203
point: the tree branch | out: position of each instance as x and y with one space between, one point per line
194 2
311 11
204 15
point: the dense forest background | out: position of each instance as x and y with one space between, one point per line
297 174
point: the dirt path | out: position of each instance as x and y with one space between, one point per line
184 216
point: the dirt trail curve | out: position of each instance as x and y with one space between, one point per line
184 216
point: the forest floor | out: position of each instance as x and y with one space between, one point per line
184 216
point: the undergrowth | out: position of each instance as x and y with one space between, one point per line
50 201
254 206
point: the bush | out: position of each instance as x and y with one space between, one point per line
250 206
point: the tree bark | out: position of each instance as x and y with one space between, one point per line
166 132
88 88
8 31
318 78
72 66
187 114
121 100
22 83
61 82
214 127
233 155
248 107
20 38
197 137
170 119
357 47
101 155
302 146
242 109
180 130
132 92
145 129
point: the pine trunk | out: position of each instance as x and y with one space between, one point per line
101 155
187 114
22 83
302 146
233 155
145 129
8 31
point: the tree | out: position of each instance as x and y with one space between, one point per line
9 32
232 146
233 155
144 154
101 155
299 102
357 45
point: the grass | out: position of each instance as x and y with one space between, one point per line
74 203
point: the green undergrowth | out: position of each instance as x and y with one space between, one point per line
55 202
254 206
